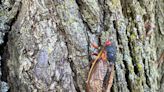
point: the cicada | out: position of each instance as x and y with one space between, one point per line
100 76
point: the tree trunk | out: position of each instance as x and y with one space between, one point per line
46 43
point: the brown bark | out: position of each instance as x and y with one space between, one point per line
49 43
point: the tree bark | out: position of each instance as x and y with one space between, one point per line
48 43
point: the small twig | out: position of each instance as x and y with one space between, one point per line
160 60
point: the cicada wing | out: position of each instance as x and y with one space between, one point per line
110 80
97 77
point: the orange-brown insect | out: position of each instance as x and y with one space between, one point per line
100 77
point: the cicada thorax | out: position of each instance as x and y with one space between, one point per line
111 53
98 75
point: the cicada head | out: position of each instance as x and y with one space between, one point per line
107 43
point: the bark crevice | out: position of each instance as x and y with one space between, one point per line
10 15
127 76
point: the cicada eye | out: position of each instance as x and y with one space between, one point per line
107 43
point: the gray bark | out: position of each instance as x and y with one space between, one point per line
49 43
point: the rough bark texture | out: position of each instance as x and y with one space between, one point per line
45 44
